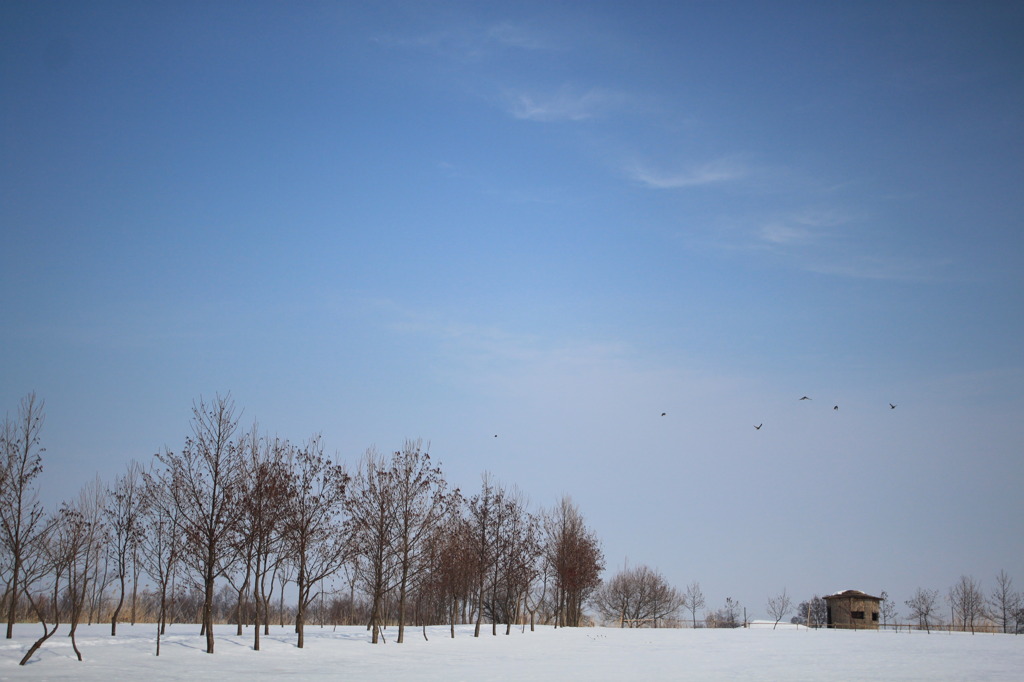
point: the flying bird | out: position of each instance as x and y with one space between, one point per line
663 414
891 406
805 398
758 427
836 407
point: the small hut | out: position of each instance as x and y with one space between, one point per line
852 609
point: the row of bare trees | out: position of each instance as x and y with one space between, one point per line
642 597
969 607
238 512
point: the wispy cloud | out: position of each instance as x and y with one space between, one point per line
566 104
712 172
472 42
835 242
802 227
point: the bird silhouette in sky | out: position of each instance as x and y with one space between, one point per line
891 406
805 398
663 414
836 407
758 427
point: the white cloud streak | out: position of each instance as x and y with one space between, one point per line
470 42
802 227
710 173
567 104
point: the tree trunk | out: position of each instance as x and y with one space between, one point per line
479 609
255 624
12 606
300 613
117 609
401 608
135 583
208 608
42 619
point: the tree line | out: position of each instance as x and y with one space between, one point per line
641 597
965 606
221 526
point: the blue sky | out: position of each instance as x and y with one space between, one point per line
549 222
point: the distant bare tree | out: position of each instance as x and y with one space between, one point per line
1004 601
576 558
517 553
693 600
452 562
922 607
123 514
889 614
371 527
48 560
266 481
779 606
483 518
204 480
638 594
160 543
420 503
22 519
813 613
729 616
82 532
314 531
968 601
537 595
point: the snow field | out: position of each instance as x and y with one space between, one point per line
547 654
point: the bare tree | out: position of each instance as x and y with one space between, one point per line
22 519
314 524
485 519
123 514
372 530
968 601
779 606
576 557
420 502
48 559
922 607
729 616
517 552
812 613
693 600
1004 601
889 614
266 481
160 543
452 556
82 532
637 595
204 488
537 595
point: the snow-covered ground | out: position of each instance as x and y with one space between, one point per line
547 654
